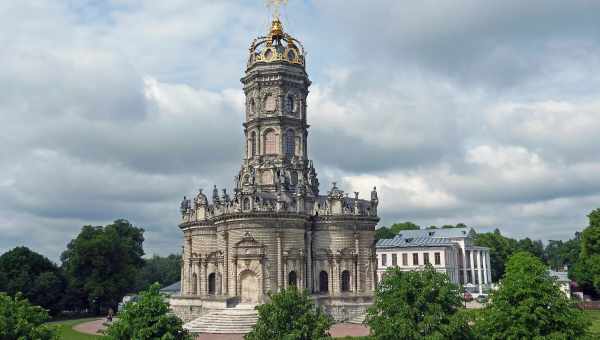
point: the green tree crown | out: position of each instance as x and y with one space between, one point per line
147 318
416 305
290 315
529 305
21 320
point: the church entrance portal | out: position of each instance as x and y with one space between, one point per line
249 287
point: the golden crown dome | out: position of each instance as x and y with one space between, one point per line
276 46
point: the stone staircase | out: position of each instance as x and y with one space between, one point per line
359 319
238 320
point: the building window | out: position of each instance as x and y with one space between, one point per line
383 260
290 143
292 278
425 258
289 104
270 143
323 282
405 259
212 284
345 281
438 259
415 259
394 260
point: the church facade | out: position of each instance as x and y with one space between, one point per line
276 229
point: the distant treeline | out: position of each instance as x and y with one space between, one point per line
97 269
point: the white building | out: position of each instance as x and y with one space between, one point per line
562 279
443 249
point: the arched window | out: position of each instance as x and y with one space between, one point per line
323 282
246 204
290 143
211 284
270 143
345 281
292 279
253 144
289 104
252 106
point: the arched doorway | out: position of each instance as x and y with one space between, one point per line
345 281
249 287
323 282
292 279
211 283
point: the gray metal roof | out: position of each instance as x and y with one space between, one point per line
175 287
435 233
401 242
560 276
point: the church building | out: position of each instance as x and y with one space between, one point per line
276 228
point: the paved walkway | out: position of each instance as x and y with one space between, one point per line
94 327
338 330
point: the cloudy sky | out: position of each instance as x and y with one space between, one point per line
481 112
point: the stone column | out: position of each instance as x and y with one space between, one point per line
235 283
182 288
279 263
202 278
331 276
485 268
479 269
285 273
190 277
489 266
226 263
464 265
355 264
309 264
472 267
198 282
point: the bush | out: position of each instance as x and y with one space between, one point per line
20 320
290 315
148 318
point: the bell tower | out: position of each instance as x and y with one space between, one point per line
275 127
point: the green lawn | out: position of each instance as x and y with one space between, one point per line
67 333
594 329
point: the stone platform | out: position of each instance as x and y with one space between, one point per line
238 320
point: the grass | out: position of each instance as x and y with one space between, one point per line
66 332
594 316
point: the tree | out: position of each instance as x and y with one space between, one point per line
290 315
559 254
396 228
21 320
164 270
148 318
416 305
102 264
590 240
383 233
534 247
529 305
587 269
35 276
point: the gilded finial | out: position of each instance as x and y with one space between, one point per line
276 29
